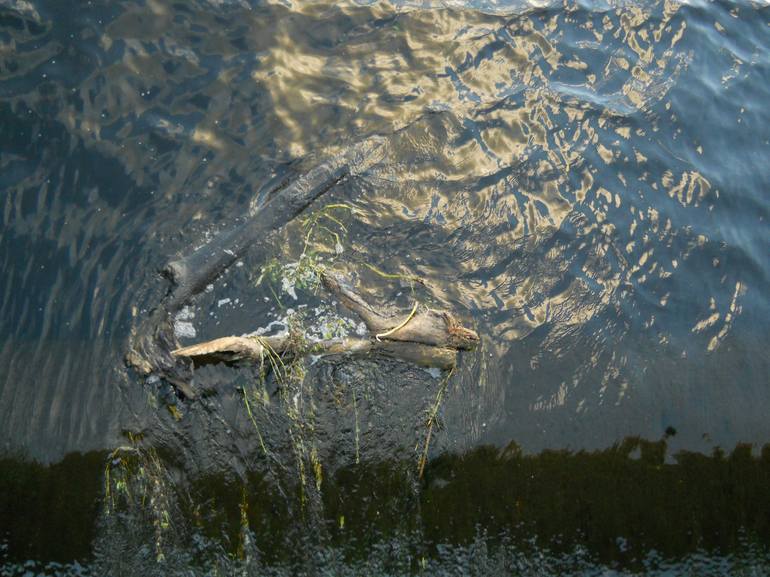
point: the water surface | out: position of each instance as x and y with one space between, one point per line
584 183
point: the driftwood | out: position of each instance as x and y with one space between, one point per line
152 342
194 272
426 326
424 336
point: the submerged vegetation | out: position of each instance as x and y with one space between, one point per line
304 274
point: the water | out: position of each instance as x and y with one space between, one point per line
585 184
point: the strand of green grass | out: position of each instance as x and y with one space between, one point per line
334 220
355 412
254 421
277 298
394 276
431 421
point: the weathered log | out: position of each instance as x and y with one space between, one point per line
427 326
191 274
426 337
151 344
257 349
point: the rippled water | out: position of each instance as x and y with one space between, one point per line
584 183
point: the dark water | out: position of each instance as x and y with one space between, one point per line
585 184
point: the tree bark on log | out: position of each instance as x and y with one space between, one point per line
427 326
257 349
192 273
151 343
426 337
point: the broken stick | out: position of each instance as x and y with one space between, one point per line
426 337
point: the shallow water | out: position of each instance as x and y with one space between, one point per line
585 184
